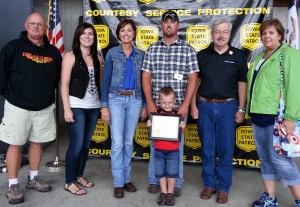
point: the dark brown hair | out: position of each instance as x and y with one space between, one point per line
123 23
76 42
275 23
166 91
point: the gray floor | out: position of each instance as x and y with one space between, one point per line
246 186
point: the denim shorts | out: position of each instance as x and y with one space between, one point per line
166 163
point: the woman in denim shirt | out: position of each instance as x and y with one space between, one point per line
121 103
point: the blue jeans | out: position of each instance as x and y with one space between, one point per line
124 112
166 163
151 166
216 129
272 165
80 134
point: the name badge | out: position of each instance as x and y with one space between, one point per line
178 76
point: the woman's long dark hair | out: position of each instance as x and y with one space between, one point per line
76 43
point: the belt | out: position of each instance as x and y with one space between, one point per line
214 100
127 92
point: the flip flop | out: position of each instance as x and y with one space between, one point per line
67 188
85 183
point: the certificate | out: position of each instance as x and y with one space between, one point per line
165 127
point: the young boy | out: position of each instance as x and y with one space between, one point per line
166 153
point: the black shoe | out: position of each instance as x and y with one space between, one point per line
119 192
162 199
129 187
177 192
152 188
170 199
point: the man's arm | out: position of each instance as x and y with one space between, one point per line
147 88
193 106
189 93
242 88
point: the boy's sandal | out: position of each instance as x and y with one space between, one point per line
84 182
78 191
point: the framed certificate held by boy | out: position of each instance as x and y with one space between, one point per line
165 127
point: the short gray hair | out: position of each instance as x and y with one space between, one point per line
217 22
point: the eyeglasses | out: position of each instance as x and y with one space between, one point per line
218 32
167 103
34 24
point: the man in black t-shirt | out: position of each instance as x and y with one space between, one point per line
221 100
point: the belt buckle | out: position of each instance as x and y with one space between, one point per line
126 92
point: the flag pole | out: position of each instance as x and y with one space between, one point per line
57 163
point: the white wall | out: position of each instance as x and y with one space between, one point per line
281 13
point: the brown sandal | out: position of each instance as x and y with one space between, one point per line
84 182
74 192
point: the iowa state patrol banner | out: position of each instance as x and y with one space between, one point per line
195 19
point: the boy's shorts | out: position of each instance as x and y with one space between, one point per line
166 163
19 125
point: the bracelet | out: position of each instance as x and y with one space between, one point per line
242 110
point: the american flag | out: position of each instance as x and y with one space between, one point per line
292 32
55 34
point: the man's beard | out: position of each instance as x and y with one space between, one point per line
169 35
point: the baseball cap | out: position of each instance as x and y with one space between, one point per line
170 14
